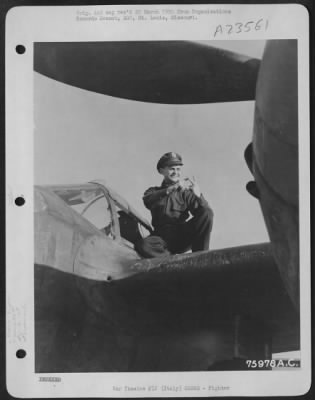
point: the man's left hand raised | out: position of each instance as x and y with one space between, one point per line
195 187
190 184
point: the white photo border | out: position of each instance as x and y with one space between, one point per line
26 25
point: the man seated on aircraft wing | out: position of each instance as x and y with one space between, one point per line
171 205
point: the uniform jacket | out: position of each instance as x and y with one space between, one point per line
172 208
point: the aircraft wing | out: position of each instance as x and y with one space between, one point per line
172 72
183 312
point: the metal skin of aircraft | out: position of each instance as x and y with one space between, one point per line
98 305
273 156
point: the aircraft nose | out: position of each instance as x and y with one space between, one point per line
273 157
276 119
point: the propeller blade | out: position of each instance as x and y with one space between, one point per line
171 72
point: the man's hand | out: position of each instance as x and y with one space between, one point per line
185 184
194 186
190 184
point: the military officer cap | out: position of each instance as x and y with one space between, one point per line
169 160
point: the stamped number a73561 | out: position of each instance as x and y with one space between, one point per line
241 27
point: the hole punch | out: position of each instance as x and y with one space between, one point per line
20 49
21 353
19 201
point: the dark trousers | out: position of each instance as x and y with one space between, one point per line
178 238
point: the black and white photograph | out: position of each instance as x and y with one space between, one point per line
168 226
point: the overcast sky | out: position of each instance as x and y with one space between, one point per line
81 136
